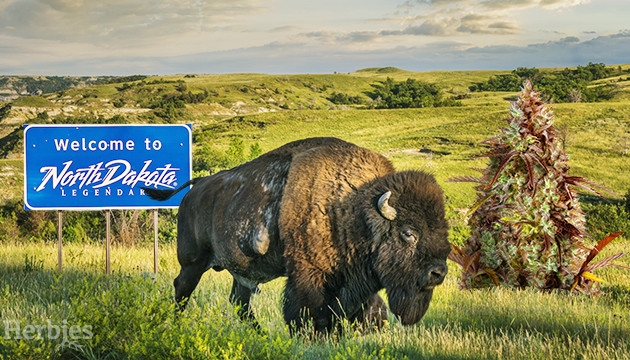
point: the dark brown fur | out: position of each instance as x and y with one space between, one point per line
308 210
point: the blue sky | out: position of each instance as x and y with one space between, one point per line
122 37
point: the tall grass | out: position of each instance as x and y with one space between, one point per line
131 315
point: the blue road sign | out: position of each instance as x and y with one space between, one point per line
91 167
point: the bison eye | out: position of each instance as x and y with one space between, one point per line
409 236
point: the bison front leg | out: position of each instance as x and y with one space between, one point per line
306 303
187 280
372 314
240 297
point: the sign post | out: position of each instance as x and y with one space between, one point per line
155 241
103 167
107 241
59 237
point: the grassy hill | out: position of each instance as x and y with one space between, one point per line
12 87
274 109
132 316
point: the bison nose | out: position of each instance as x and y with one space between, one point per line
437 274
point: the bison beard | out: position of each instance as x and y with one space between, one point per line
409 308
336 219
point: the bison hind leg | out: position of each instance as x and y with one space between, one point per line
240 297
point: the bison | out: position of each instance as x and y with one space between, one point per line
336 219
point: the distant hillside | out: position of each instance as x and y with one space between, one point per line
12 87
214 99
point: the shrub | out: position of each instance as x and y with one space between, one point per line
390 94
124 86
123 79
338 98
134 318
255 151
74 234
235 152
527 227
129 227
208 160
118 103
9 229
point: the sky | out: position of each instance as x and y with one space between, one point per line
161 37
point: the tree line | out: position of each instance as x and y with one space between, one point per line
391 94
567 85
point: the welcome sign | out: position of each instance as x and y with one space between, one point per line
91 167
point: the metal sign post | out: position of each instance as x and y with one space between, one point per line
59 237
155 241
107 241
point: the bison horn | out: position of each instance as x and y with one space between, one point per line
384 208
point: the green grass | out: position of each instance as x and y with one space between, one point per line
33 101
132 316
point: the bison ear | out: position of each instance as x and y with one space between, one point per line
384 208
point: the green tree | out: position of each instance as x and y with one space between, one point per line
235 152
509 82
344 99
390 94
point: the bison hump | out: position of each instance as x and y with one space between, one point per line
320 200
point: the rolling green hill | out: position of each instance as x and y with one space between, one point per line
273 109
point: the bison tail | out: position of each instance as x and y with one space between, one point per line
163 194
158 194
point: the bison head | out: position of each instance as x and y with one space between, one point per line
410 240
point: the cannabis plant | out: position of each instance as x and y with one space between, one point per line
527 228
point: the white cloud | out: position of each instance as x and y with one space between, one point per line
516 4
562 4
287 29
485 24
126 22
460 17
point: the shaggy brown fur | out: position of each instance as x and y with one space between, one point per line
309 210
